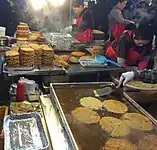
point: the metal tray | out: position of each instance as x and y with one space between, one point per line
83 136
61 41
18 68
90 63
24 132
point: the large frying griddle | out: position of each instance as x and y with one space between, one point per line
66 98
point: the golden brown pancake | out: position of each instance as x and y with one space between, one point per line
148 143
86 115
121 130
119 144
138 121
108 124
115 106
91 102
78 54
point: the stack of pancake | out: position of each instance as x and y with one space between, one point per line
41 39
27 57
12 59
48 55
33 37
22 32
38 54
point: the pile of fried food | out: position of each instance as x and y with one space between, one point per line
23 35
116 127
24 107
64 60
29 55
140 84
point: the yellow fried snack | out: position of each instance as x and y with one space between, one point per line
61 63
73 59
138 121
119 144
78 54
108 124
115 106
91 102
86 57
121 130
86 115
148 143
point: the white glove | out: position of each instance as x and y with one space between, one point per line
67 29
126 77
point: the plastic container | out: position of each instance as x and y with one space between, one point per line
2 31
30 86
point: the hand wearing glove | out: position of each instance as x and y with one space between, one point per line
67 29
126 77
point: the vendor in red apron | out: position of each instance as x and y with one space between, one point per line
116 20
84 23
132 48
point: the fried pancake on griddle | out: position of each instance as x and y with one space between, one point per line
138 121
115 106
86 115
121 130
119 144
91 102
108 124
148 143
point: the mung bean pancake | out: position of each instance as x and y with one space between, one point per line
149 142
109 123
138 122
119 144
140 84
86 115
115 106
91 102
121 130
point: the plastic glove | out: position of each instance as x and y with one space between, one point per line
126 77
67 29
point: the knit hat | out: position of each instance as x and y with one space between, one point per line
144 32
78 3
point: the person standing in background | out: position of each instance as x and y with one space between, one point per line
83 29
117 22
8 17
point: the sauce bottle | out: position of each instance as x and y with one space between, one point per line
20 91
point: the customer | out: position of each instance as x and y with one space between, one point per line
84 23
132 48
116 20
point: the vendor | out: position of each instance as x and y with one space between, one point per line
84 23
132 48
116 20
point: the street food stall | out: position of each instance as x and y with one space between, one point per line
46 110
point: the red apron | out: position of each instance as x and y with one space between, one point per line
86 36
133 57
117 30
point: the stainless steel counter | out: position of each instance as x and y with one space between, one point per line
57 133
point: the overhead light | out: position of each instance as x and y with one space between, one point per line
38 4
56 3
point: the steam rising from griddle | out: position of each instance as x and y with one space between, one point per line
51 19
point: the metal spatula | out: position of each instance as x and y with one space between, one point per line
113 91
